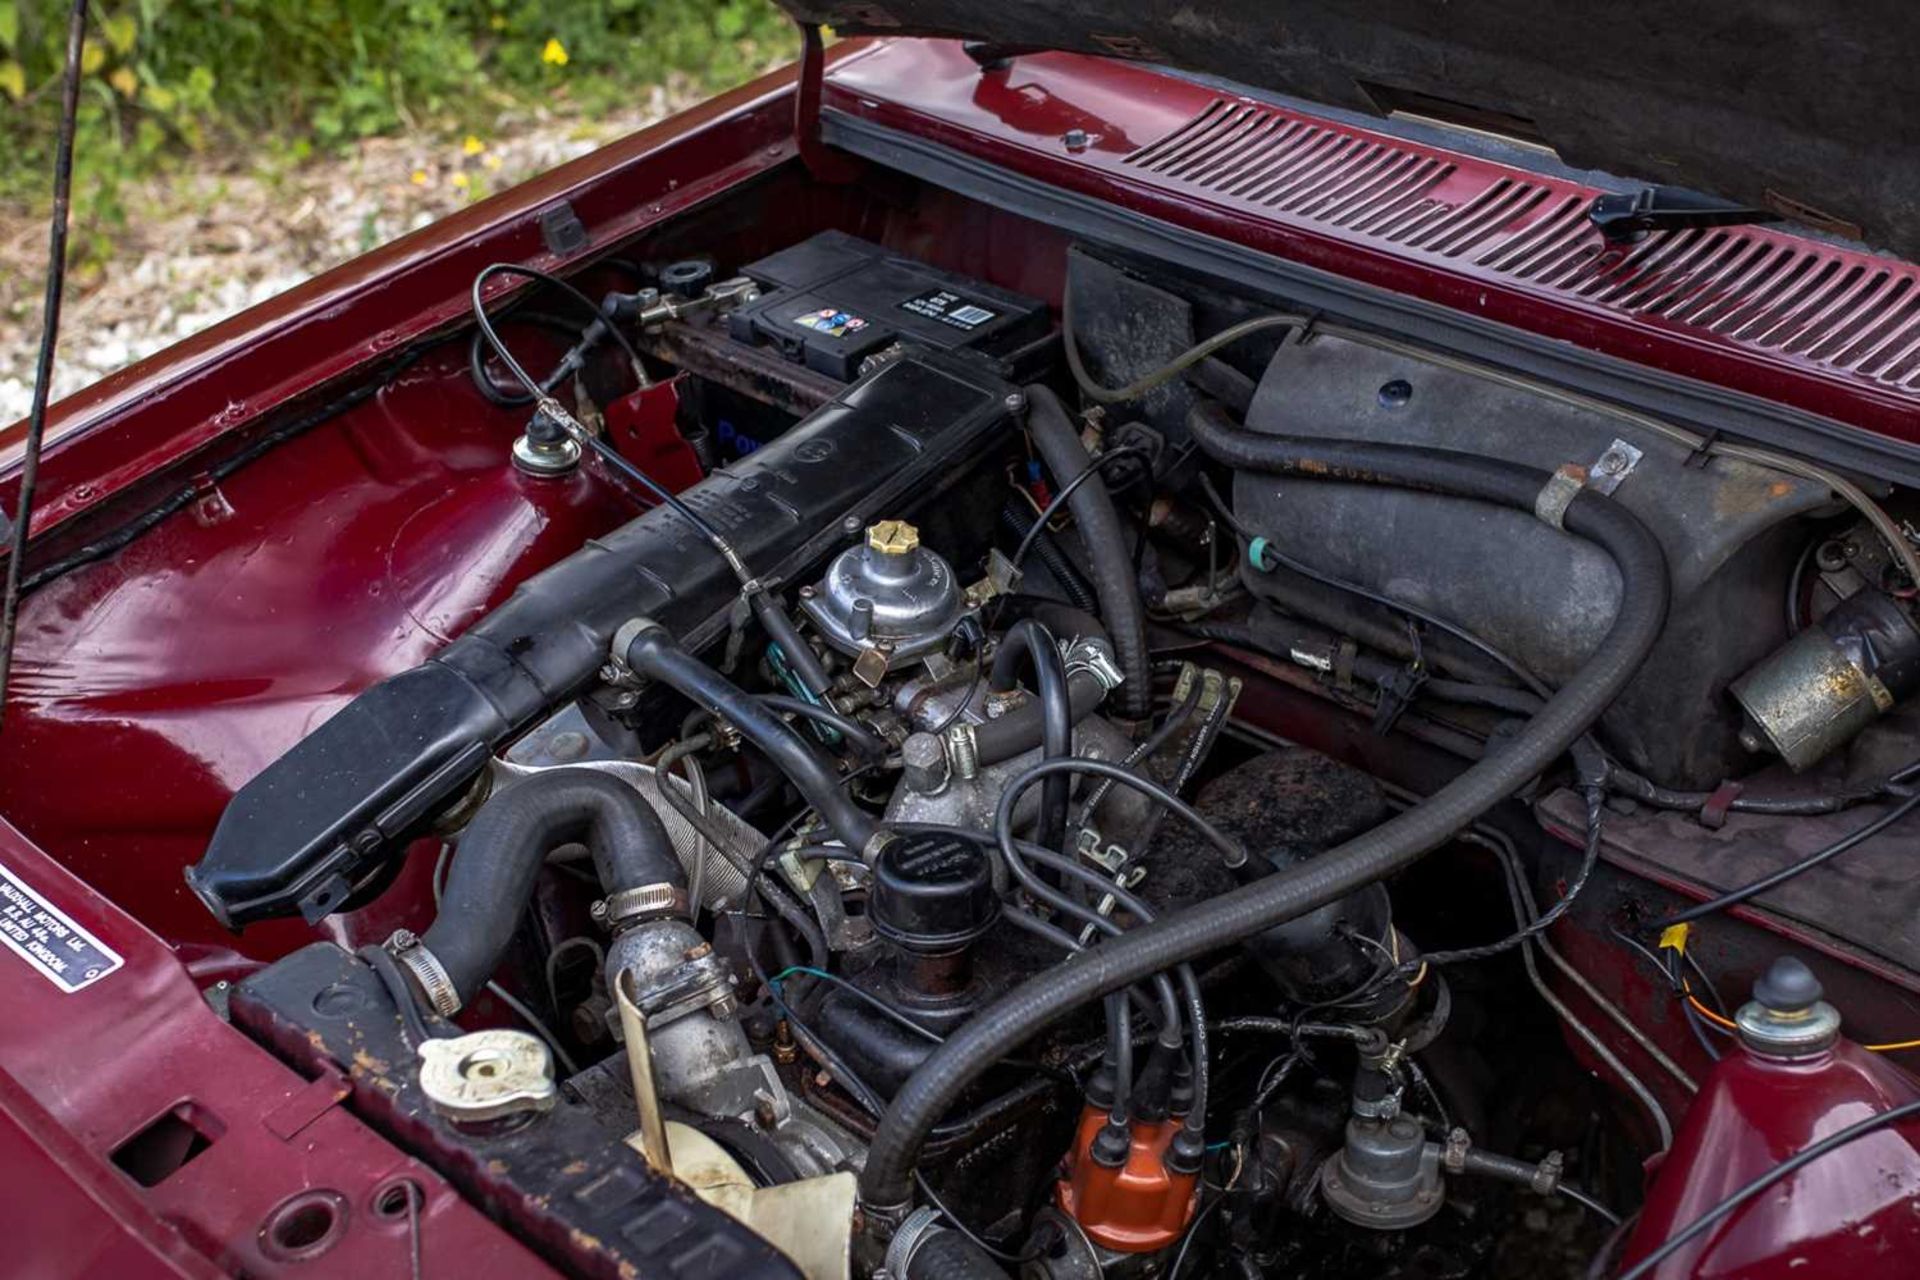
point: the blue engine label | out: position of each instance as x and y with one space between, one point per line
49 940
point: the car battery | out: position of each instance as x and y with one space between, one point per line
832 301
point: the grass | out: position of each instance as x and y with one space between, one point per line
265 85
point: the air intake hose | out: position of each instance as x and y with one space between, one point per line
500 853
886 1185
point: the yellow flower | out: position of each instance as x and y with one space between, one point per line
461 180
555 54
419 177
490 160
472 146
498 22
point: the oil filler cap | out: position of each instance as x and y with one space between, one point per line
1786 1017
932 894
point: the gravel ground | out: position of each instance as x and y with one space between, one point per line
208 243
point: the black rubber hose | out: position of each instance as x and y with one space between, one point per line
1100 529
1019 731
1018 521
948 1255
654 654
1273 900
862 739
1059 618
782 631
500 853
1029 643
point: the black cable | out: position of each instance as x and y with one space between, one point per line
864 740
1018 520
1192 1233
1733 897
600 318
1589 858
49 343
1067 491
1017 1259
1231 851
184 497
1028 638
491 391
1631 784
606 452
1832 1142
1233 854
865 997
1176 717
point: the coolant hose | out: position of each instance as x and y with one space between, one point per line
1011 1021
1100 530
655 654
500 853
1020 730
1027 642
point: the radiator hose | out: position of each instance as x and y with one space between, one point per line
886 1182
1059 447
500 853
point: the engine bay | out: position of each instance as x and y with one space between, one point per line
1051 768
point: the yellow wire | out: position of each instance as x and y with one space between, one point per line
1727 1023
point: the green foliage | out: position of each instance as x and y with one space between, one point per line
275 80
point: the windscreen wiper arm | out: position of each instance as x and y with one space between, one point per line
1625 217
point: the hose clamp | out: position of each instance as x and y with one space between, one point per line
1558 493
1094 656
628 907
427 970
617 670
919 1227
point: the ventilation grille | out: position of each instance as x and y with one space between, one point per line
1755 289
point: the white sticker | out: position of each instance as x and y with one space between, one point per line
49 939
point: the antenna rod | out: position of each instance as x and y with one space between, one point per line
49 340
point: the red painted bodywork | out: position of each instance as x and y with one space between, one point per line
154 683
1850 1213
80 1074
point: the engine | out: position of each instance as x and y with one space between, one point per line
1067 804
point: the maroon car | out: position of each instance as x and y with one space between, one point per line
1069 640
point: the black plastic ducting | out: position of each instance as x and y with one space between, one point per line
322 820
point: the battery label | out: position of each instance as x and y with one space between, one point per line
949 307
835 324
48 938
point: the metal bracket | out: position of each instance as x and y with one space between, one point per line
1612 467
